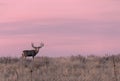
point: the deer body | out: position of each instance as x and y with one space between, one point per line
32 53
29 53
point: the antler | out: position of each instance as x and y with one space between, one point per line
41 45
32 45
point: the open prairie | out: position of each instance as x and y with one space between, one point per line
74 68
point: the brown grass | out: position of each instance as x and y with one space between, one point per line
74 68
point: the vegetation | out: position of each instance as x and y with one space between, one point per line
74 68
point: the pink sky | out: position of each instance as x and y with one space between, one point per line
67 27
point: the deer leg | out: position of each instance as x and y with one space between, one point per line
33 57
23 56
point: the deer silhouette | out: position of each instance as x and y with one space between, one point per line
32 53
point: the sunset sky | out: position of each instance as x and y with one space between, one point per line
66 27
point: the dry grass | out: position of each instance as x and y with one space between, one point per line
74 68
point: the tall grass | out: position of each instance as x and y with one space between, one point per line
74 68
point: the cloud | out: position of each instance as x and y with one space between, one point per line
63 27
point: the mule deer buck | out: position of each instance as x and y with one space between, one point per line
32 53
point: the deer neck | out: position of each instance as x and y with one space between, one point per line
36 51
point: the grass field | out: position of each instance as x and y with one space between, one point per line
74 68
